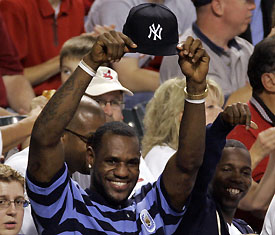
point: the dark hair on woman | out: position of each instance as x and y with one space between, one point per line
117 128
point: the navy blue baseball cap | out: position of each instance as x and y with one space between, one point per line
154 28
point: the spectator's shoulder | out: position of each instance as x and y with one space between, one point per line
187 32
244 44
12 5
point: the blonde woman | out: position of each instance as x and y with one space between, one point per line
162 120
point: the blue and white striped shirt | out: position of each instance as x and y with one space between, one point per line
62 207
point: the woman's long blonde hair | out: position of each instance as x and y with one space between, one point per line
162 116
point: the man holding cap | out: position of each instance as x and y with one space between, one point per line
133 68
60 206
108 92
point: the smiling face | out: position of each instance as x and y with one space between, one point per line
116 167
232 178
11 218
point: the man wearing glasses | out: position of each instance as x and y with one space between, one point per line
12 201
108 92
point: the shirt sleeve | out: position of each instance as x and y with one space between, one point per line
15 20
51 200
9 60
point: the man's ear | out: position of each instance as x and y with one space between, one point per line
90 156
217 7
268 81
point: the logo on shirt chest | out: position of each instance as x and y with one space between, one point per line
147 221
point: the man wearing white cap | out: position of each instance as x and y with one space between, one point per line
108 92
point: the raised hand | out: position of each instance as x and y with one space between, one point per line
193 60
238 113
264 144
100 29
109 47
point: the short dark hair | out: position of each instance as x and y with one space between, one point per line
234 144
261 61
117 128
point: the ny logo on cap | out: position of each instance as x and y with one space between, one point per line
108 75
156 31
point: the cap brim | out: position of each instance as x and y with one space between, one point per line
160 50
100 89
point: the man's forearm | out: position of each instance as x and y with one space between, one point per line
135 78
14 134
192 136
57 113
182 168
260 195
46 156
41 72
19 93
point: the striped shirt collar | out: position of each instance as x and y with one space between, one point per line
262 109
217 49
97 197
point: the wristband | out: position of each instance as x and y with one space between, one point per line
196 97
86 68
195 101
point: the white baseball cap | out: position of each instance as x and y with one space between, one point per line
105 80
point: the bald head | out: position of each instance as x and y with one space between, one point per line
88 117
88 109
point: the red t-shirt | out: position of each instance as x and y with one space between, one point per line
37 35
248 137
9 61
88 4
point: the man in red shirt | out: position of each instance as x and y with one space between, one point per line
261 73
38 29
15 91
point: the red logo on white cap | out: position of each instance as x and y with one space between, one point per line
108 75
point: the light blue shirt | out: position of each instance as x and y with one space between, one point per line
256 26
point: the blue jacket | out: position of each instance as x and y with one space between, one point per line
200 217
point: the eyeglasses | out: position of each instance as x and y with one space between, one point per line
116 104
83 138
18 203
